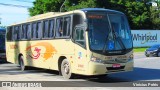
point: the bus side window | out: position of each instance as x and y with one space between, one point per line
45 29
79 36
9 33
16 33
77 19
59 25
39 30
28 31
24 32
66 26
51 28
34 31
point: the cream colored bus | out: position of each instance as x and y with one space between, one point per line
89 41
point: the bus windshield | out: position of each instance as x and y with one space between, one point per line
108 32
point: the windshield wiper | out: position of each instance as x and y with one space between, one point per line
116 37
105 44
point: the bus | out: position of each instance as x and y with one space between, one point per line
89 41
2 45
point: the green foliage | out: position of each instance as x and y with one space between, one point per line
140 49
78 4
43 6
155 17
139 14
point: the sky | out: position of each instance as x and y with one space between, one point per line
13 14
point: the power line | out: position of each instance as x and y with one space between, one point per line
23 1
14 5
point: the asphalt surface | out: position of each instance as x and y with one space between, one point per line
145 69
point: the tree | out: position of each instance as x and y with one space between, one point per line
155 17
78 4
137 12
44 6
138 15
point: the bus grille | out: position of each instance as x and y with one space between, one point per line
115 61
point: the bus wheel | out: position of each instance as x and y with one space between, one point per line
21 63
65 69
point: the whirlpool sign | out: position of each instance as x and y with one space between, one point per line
144 38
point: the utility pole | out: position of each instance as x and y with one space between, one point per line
62 5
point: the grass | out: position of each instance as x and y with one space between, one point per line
140 49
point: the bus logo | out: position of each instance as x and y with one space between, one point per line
36 50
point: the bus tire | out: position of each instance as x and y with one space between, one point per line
21 63
66 69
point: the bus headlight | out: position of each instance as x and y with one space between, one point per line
95 59
131 56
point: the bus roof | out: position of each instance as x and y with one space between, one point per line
54 14
100 9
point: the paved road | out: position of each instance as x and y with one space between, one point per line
146 69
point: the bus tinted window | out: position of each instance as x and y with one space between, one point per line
24 32
63 27
34 31
77 19
80 36
39 30
59 31
16 33
9 33
45 29
28 31
66 28
51 28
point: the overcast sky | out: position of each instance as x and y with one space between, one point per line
12 14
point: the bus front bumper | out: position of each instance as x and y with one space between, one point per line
95 68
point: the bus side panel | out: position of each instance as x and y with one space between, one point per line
63 48
81 60
12 49
45 53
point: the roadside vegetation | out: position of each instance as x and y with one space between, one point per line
140 49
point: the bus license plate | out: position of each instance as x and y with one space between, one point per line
116 65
